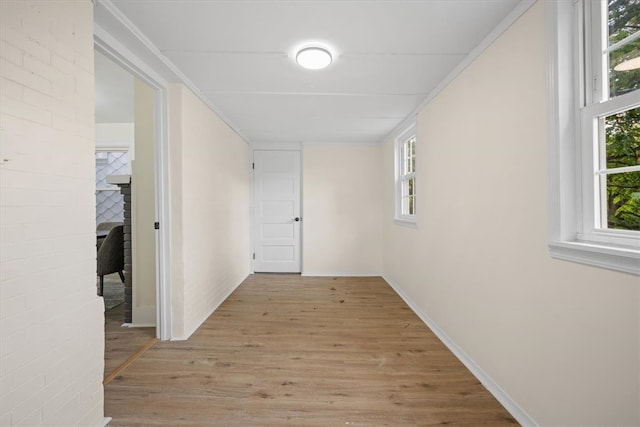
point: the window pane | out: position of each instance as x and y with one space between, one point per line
623 201
411 183
110 204
411 206
622 133
624 59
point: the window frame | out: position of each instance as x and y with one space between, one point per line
401 177
572 157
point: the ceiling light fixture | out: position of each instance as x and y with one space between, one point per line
314 58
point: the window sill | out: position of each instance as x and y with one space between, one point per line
406 222
615 258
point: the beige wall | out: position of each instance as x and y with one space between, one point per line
342 209
560 338
51 319
210 223
143 192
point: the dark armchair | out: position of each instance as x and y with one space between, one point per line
111 255
104 227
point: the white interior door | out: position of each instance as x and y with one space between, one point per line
277 211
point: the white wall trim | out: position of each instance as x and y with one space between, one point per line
565 192
341 144
503 26
609 257
276 146
117 52
104 422
510 405
150 48
138 325
340 274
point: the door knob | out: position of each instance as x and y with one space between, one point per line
296 219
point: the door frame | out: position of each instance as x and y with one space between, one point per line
273 146
119 54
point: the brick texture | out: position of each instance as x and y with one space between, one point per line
51 320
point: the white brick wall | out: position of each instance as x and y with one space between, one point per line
51 321
214 192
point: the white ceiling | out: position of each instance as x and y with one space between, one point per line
388 56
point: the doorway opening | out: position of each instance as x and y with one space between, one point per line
126 209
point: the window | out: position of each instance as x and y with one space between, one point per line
406 177
594 94
109 200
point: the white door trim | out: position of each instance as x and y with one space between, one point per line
118 53
280 146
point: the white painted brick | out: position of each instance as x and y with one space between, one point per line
10 89
6 383
62 86
63 65
60 372
10 52
47 102
37 26
47 65
64 50
21 322
12 270
85 62
25 249
19 395
25 415
96 412
35 418
16 346
14 287
14 197
20 215
10 126
12 178
20 75
6 419
12 306
10 235
75 127
37 301
25 43
10 14
25 111
44 69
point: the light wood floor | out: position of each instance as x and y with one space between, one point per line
299 351
120 343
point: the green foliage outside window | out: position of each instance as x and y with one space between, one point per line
622 130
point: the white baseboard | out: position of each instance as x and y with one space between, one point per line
509 404
349 274
138 325
104 422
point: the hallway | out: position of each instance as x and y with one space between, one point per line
312 351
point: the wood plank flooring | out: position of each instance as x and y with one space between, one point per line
120 343
301 351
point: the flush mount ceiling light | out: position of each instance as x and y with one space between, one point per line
314 58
